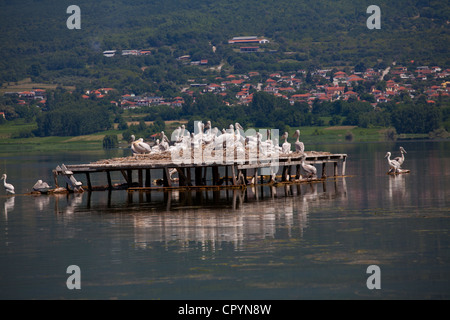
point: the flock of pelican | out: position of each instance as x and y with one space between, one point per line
396 163
206 135
210 137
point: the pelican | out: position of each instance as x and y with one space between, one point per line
139 146
393 164
156 147
286 146
299 146
8 186
164 144
309 169
401 159
41 186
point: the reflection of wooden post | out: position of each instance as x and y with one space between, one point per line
343 165
297 172
335 169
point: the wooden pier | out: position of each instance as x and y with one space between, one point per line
194 175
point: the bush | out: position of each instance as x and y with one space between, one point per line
349 136
110 141
390 134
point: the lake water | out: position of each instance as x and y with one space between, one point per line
308 241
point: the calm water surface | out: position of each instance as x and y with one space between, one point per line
308 241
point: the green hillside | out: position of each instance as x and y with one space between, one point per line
181 48
37 43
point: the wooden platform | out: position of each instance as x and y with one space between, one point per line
194 174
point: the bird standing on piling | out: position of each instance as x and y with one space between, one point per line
299 146
393 164
401 159
286 146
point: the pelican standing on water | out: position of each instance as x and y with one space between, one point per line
401 159
8 186
299 146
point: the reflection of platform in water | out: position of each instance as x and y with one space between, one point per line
215 217
192 174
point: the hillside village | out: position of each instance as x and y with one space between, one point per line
323 86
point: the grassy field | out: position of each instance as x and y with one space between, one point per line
309 135
28 85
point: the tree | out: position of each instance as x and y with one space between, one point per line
110 141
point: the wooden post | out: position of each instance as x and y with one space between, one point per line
166 178
297 172
198 176
130 177
226 175
283 173
324 169
88 179
188 177
140 178
148 181
215 175
182 177
108 176
124 174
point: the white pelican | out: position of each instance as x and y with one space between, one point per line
299 146
309 169
393 164
41 186
401 159
139 146
8 186
286 146
156 148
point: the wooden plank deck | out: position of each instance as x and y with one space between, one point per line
235 172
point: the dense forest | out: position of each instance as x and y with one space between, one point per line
36 41
37 44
